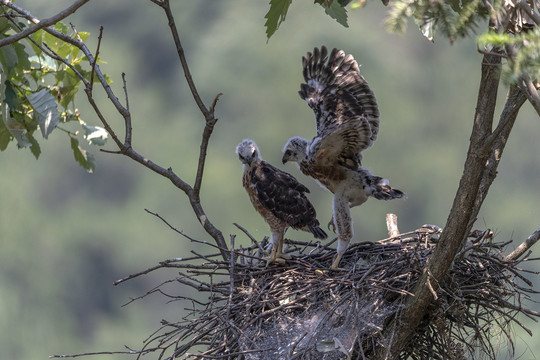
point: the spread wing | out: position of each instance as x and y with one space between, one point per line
283 195
345 108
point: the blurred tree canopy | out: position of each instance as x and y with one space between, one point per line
42 76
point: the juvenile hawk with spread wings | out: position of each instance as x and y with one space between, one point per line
347 121
278 197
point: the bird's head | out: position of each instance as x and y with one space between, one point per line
295 149
248 152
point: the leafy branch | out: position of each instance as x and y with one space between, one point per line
34 85
125 147
279 8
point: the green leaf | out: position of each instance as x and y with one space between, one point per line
35 148
22 57
427 27
45 111
276 15
16 129
4 25
5 136
95 135
70 86
36 37
10 96
495 39
8 58
61 27
83 157
45 62
84 35
399 14
337 12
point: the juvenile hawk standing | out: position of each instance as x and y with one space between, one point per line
347 120
278 197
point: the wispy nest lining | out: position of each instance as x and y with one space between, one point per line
303 310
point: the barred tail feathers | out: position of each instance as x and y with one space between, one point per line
383 191
317 232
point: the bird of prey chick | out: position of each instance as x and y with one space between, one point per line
347 122
278 197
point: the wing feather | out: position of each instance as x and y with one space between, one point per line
284 196
345 108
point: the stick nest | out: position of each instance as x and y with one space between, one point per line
304 310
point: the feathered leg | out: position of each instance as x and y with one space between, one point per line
280 255
343 223
276 255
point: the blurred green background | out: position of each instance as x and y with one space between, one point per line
67 235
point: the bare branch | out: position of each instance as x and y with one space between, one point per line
207 132
524 246
531 92
38 24
208 114
95 59
461 217
525 83
125 148
530 12
214 103
391 225
165 5
129 352
514 100
129 130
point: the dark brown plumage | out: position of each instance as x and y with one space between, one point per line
278 197
347 122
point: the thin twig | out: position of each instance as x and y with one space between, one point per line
96 58
38 24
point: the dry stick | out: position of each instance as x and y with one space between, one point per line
531 91
523 247
473 187
391 225
132 352
169 225
208 114
253 240
231 274
530 12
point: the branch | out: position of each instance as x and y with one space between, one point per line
129 352
126 148
96 57
38 24
207 113
391 225
524 246
530 12
165 5
531 91
525 83
460 219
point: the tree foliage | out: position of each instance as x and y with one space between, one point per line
44 64
278 12
452 19
40 77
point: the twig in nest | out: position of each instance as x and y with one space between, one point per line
299 309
